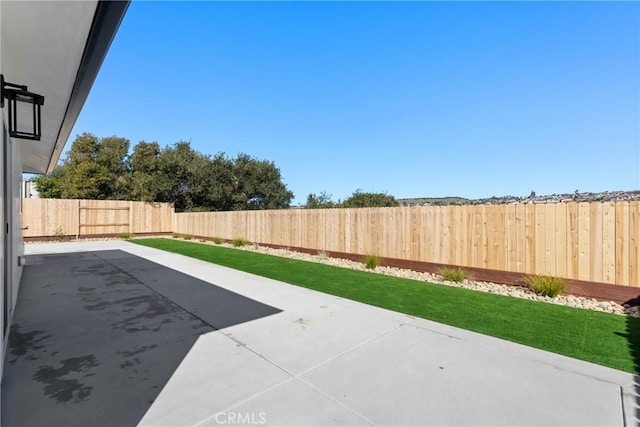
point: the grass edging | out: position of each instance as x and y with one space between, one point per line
602 338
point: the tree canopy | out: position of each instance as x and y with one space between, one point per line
101 168
358 199
320 201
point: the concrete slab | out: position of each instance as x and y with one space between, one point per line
324 360
92 345
305 406
313 329
631 404
216 374
427 378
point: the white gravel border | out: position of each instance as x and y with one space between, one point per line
494 288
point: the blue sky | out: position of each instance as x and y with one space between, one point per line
418 99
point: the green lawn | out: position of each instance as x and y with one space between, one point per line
602 338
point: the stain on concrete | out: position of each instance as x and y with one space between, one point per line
98 306
138 350
303 323
21 343
148 313
113 341
61 388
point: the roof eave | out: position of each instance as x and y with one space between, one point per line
106 20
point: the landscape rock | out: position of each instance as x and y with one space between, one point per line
494 288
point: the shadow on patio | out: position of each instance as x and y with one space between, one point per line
96 335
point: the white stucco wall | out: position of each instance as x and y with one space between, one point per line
3 133
11 173
17 243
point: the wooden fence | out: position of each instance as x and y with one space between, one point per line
60 217
597 242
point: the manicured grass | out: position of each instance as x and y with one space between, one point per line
602 338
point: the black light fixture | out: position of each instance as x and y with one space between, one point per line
17 93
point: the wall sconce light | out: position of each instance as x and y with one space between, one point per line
17 93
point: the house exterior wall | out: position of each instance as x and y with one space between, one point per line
3 244
3 140
15 232
11 244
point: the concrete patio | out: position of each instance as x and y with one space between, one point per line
113 334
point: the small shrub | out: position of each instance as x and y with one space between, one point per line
239 242
187 237
124 236
371 261
59 234
547 286
217 240
176 236
454 274
323 255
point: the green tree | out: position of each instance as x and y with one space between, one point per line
219 182
257 184
112 155
50 186
96 168
321 201
100 168
360 199
181 177
145 171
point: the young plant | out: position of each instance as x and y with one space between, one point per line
124 236
187 237
454 274
217 240
371 261
323 255
239 242
547 286
59 234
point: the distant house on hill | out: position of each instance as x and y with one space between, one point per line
28 190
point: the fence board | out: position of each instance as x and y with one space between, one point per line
622 243
550 238
584 241
634 243
560 251
540 265
608 243
596 242
572 248
521 242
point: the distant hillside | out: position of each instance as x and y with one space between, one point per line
605 196
434 201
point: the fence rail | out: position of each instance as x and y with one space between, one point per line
597 242
61 217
